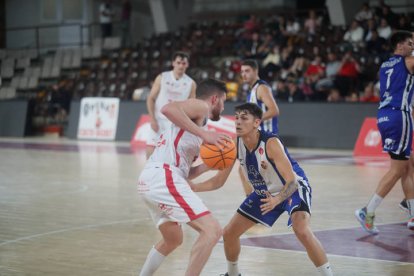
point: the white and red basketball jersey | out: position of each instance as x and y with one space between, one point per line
177 148
171 89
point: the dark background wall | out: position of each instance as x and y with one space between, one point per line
13 118
311 125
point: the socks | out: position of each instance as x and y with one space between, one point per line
152 263
410 204
232 268
325 270
374 202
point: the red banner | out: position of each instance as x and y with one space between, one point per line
369 140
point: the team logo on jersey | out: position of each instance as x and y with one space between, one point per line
388 144
263 164
252 171
161 141
261 151
168 210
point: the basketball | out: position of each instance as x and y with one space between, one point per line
218 159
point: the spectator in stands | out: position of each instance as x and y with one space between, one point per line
311 23
365 13
334 96
314 72
271 63
347 76
384 30
404 23
295 94
377 44
369 95
324 85
354 34
125 22
105 18
389 15
371 27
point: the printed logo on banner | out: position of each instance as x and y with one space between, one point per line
98 118
373 138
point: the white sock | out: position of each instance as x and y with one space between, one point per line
325 269
232 268
374 202
152 263
410 203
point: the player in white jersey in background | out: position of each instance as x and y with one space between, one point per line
174 85
165 179
261 94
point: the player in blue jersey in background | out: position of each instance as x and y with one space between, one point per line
279 185
395 125
261 94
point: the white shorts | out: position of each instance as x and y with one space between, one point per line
168 196
154 136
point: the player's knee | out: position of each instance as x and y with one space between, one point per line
211 232
303 233
216 233
174 242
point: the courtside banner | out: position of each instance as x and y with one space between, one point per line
142 130
369 139
98 118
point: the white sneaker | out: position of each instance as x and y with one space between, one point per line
410 224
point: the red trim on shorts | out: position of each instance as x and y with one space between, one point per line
178 198
177 139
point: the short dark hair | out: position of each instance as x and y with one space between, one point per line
181 54
209 87
398 37
252 63
250 108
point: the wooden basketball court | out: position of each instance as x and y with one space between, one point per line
71 208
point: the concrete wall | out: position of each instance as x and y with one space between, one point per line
311 125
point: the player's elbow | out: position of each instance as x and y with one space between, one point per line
166 110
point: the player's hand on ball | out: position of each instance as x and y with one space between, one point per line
215 138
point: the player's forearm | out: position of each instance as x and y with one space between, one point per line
268 115
178 117
288 190
151 107
197 171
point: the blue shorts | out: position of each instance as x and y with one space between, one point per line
299 201
396 130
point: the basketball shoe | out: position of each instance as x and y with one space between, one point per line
410 224
403 206
366 220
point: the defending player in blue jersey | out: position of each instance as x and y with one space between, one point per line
279 185
396 127
261 94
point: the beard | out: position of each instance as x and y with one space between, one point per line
215 114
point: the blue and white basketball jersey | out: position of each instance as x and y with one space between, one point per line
396 84
394 117
260 170
269 125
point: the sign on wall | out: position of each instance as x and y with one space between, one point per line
98 118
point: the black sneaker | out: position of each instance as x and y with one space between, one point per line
404 206
227 274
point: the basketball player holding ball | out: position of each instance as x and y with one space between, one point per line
165 180
279 185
